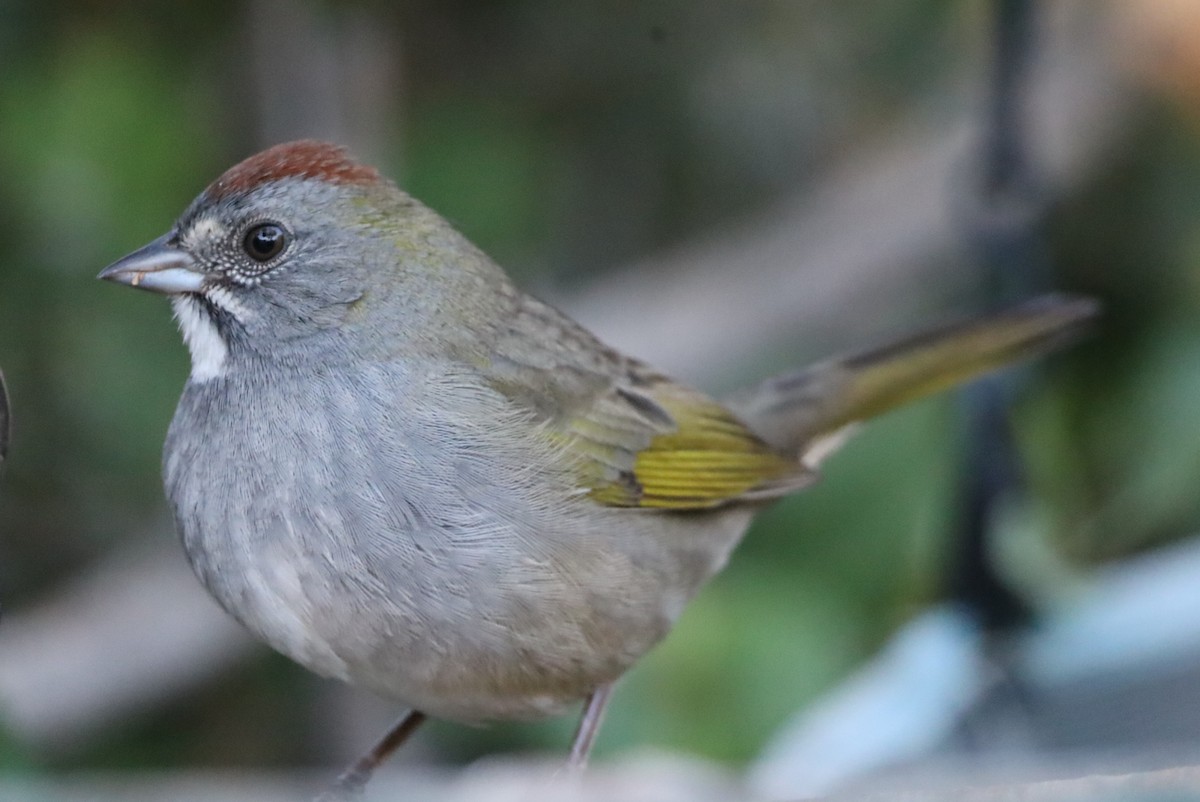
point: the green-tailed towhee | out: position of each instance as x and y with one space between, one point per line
401 471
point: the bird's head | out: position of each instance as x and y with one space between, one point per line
302 253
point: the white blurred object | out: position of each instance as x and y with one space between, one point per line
1144 610
1117 672
899 706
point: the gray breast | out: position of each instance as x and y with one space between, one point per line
407 533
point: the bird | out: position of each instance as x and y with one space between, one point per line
401 471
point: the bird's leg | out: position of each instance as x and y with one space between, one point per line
351 781
589 727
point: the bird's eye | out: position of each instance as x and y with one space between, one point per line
264 242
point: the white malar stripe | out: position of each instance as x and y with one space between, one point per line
200 334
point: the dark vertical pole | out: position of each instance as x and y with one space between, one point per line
3 420
1005 229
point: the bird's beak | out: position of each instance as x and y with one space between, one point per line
158 267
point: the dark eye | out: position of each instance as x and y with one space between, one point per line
264 242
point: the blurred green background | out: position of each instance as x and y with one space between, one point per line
569 140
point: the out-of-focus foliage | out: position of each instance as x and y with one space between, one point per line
564 138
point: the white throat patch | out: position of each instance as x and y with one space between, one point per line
200 334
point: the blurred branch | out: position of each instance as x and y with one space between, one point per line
864 248
867 247
134 632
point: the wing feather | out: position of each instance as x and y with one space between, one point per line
634 438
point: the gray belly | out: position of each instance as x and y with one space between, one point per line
437 570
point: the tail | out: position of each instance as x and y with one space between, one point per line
797 412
